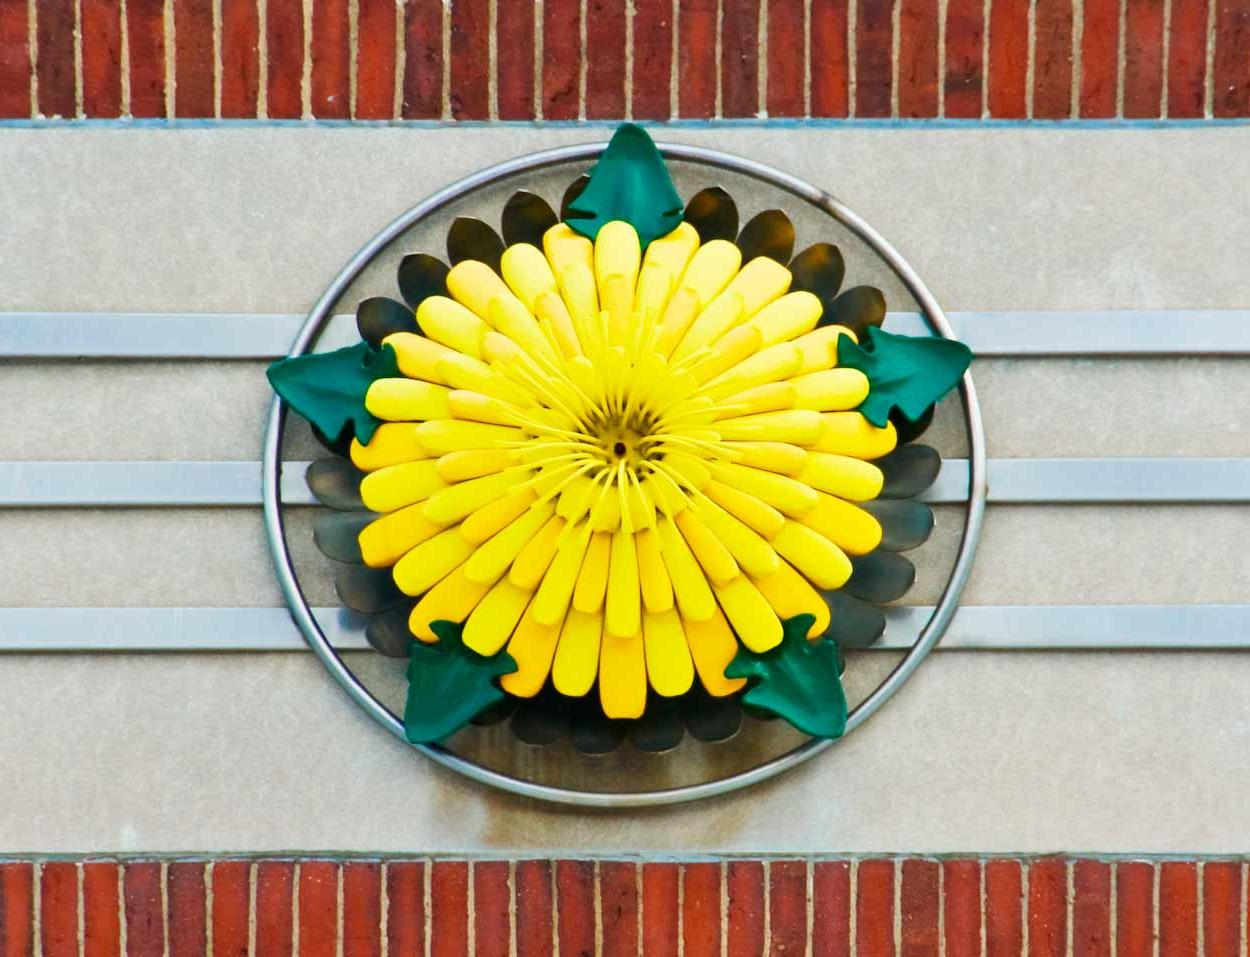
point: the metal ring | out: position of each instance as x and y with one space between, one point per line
929 636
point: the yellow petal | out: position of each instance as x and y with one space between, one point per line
474 285
785 494
392 444
571 256
464 498
622 676
713 557
418 356
653 580
717 317
790 594
592 580
552 312
445 320
749 549
758 283
531 564
753 619
492 558
758 515
577 654
821 561
669 667
796 426
830 390
480 526
772 397
532 647
431 561
492 622
770 456
453 435
476 407
726 352
852 529
553 596
849 433
465 372
768 365
679 316
618 255
663 264
713 646
843 476
452 599
398 485
528 274
407 400
622 609
694 596
818 349
388 539
459 466
791 316
508 315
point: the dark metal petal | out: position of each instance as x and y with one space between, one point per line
594 734
471 238
337 534
770 234
660 728
880 576
536 722
909 431
526 216
713 213
711 719
421 276
909 470
367 590
857 309
575 190
388 632
853 623
819 270
905 522
500 711
336 483
340 446
378 317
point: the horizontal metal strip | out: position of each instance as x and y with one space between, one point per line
1018 481
44 335
976 627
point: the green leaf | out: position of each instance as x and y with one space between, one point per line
630 182
908 373
449 685
328 388
799 680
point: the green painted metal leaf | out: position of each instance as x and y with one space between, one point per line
328 389
630 182
908 373
799 680
449 684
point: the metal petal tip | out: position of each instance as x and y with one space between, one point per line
471 238
537 722
526 216
909 431
818 269
857 309
770 234
713 213
661 727
367 590
335 483
853 623
379 317
388 633
880 576
909 470
574 190
421 276
711 719
337 534
905 522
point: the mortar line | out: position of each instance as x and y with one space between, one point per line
339 878
1120 58
674 102
78 83
122 929
719 109
262 59
896 45
384 909
583 65
32 45
297 874
217 63
210 892
761 53
401 61
251 907
492 59
722 904
165 908
427 902
353 55
1164 104
306 66
1156 874
79 909
470 907
852 56
537 82
1078 58
36 906
169 49
987 11
943 11
807 58
1208 91
628 83
1030 69
446 64
598 906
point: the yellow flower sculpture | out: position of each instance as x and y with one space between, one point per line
620 466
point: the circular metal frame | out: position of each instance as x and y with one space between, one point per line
929 636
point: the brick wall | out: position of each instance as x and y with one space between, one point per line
869 906
608 59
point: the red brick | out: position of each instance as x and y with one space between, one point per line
14 60
605 59
1232 58
561 59
1134 909
284 36
1048 908
1178 908
965 36
831 909
492 899
1091 909
874 39
653 59
362 909
1009 58
700 910
787 55
318 908
101 58
740 55
331 60
745 880
17 923
101 920
829 58
145 925
659 910
275 881
375 60
185 897
423 60
1052 67
145 39
231 893
1187 58
917 58
54 22
58 909
534 925
1004 933
405 909
618 908
1221 908
575 901
918 900
1143 58
787 907
874 909
961 904
470 59
240 58
193 59
449 903
1100 46
514 79
696 59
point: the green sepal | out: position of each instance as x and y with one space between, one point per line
328 388
449 685
630 182
799 680
908 373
